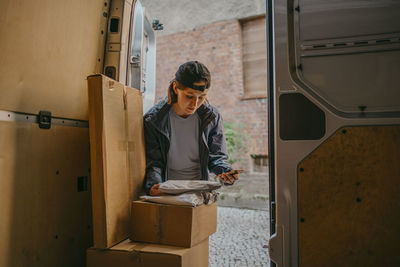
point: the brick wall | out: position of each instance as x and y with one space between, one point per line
219 47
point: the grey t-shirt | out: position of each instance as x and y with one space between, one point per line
183 162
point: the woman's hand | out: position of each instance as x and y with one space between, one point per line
230 177
155 191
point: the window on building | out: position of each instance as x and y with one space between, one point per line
259 163
254 57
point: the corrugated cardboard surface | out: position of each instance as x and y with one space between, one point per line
128 254
117 157
135 141
44 219
172 225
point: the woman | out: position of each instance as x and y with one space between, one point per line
184 134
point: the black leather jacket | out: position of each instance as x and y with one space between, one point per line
212 144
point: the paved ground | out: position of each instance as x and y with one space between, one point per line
241 239
250 191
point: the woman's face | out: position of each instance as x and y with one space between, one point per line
189 100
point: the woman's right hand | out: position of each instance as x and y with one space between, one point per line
155 191
229 178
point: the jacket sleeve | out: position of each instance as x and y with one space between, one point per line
154 165
218 157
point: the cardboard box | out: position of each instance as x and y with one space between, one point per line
173 225
129 253
117 156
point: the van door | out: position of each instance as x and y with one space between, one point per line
335 132
130 55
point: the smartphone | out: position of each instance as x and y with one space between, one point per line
233 172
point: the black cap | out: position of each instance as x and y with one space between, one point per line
192 72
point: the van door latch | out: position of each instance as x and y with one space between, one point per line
135 61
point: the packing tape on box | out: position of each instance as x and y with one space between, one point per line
122 145
135 255
131 146
137 252
162 217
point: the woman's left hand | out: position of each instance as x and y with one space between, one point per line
155 191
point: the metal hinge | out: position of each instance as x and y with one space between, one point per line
44 119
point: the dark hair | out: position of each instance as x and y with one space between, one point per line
187 74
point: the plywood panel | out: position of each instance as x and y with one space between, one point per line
116 127
48 48
44 220
348 197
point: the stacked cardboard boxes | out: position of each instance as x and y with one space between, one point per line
160 235
127 253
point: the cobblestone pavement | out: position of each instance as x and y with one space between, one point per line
241 238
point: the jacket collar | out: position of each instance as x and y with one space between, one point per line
158 115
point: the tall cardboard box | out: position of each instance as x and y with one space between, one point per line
127 254
117 157
173 225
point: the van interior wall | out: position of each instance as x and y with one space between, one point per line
47 51
45 205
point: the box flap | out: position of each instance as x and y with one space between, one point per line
129 253
128 245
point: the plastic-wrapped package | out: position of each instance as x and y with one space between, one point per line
193 199
210 197
175 187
